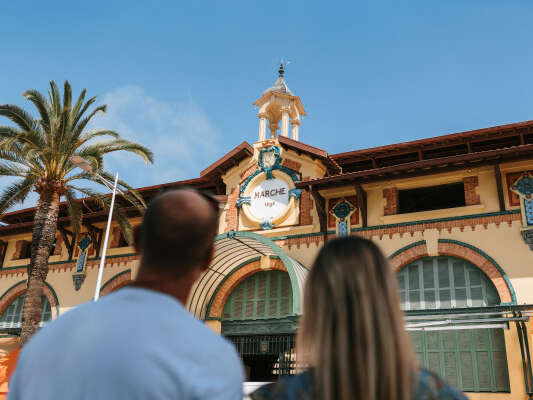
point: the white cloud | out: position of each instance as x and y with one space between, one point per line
179 133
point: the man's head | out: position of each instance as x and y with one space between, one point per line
177 233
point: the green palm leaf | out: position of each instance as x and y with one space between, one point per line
15 193
39 151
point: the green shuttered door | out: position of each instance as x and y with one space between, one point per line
263 295
473 360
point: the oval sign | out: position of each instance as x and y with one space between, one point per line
269 199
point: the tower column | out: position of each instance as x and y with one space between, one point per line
295 124
285 121
262 126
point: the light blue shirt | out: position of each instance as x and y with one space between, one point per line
132 344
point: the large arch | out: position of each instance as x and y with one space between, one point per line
234 278
465 251
20 287
116 282
238 255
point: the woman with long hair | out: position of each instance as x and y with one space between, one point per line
352 336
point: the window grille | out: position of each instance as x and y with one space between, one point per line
12 316
266 294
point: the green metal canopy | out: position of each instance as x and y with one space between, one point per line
233 249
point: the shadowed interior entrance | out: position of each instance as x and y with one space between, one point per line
256 319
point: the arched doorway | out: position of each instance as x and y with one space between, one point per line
252 319
472 359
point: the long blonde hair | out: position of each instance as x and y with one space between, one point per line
352 329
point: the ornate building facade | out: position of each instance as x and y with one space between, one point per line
453 213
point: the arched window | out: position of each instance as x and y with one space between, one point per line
266 294
472 359
12 316
445 282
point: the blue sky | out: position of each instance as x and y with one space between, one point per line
181 77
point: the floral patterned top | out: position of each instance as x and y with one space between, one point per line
298 387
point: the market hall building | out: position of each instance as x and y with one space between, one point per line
453 213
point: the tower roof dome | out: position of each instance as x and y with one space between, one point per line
280 86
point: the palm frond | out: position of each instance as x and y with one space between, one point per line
15 193
85 107
104 202
124 224
74 209
55 99
12 154
78 105
8 133
78 129
67 96
93 157
18 116
8 169
131 194
124 145
88 135
42 105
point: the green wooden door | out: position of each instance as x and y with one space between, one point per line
474 360
266 294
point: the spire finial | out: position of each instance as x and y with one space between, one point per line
281 70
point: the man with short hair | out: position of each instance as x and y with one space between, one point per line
140 342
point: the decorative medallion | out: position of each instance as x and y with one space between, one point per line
79 276
342 212
523 186
266 198
77 280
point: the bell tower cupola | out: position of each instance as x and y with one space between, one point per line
278 105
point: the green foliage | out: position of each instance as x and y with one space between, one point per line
38 151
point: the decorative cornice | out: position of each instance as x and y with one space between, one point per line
70 264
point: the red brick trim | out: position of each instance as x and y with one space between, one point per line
232 215
224 291
391 201
291 164
304 240
483 263
306 207
443 225
15 291
71 266
471 196
115 283
247 172
405 257
455 250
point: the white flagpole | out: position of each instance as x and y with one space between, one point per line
102 260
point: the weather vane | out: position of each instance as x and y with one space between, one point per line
282 65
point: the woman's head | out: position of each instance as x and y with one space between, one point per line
352 330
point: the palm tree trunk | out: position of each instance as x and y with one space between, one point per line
44 231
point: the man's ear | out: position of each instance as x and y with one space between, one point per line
137 239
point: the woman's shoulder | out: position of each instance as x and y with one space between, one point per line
432 387
294 387
299 387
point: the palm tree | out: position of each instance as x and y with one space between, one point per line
38 152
